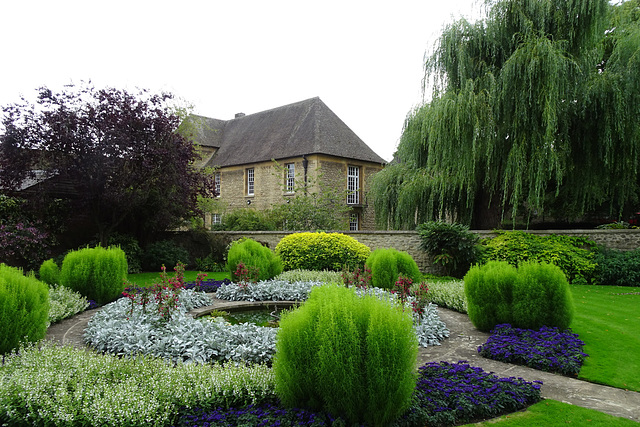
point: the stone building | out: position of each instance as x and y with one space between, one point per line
262 159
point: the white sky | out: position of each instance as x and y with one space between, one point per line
362 58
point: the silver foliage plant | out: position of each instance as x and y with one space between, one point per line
267 290
119 330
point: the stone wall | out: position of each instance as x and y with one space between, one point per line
409 241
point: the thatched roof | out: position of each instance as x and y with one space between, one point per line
303 128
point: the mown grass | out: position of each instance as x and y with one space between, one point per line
554 413
607 318
148 279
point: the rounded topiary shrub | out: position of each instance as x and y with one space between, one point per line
254 256
49 272
489 292
541 297
321 251
163 252
387 264
96 273
24 308
352 356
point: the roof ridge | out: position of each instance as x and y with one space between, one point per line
282 107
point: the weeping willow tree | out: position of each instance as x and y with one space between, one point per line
534 109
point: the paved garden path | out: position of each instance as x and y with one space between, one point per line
462 344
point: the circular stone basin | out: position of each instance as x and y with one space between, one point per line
260 313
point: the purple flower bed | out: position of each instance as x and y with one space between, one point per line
455 393
547 349
209 285
255 415
446 394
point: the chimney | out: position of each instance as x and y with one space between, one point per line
238 115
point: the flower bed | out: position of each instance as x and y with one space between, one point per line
446 394
207 285
453 393
547 349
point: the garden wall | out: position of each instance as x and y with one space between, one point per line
410 241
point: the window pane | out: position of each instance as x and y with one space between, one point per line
353 185
290 177
353 222
250 182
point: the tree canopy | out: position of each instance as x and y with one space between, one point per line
115 156
533 110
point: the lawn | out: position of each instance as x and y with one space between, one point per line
148 279
607 318
553 413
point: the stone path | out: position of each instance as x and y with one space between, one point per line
461 345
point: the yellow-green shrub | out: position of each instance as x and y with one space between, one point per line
24 308
321 251
96 273
49 272
489 292
387 264
530 296
352 356
252 254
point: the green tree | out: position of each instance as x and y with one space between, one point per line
534 109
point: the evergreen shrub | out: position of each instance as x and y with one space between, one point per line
451 245
574 255
541 297
352 356
489 292
321 251
387 264
164 252
49 272
618 268
24 308
96 273
253 254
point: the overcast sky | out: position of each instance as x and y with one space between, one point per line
362 58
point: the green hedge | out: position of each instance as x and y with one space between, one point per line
321 251
24 308
96 273
530 296
253 254
354 357
618 268
387 264
164 252
573 255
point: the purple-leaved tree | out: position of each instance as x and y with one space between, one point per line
115 156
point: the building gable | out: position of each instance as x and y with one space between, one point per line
303 128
